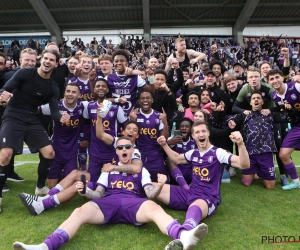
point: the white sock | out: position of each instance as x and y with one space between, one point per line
38 206
296 180
56 199
59 187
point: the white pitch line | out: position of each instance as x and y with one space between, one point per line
20 163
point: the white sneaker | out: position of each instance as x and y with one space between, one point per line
190 238
22 246
42 191
0 205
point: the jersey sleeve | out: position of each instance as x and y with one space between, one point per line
45 109
188 155
121 116
136 155
297 86
223 156
103 179
115 142
85 113
73 79
53 104
141 82
161 125
15 81
146 180
242 93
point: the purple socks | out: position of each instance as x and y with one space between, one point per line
56 239
192 218
49 202
174 229
291 169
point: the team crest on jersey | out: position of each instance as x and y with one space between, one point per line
210 159
135 175
111 113
71 114
293 96
179 145
147 122
86 87
124 174
263 93
157 121
192 146
195 159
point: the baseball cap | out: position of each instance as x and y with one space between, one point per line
237 63
210 72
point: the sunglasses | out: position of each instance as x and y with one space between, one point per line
126 146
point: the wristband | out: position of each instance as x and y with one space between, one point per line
116 100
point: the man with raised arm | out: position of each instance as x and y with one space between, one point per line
184 55
203 197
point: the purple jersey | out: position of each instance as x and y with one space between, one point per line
110 122
151 126
66 135
85 89
122 85
182 148
125 185
291 95
207 171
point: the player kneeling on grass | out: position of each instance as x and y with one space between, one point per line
119 198
203 197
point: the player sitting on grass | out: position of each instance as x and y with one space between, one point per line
120 198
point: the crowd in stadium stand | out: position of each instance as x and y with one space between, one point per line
172 94
252 52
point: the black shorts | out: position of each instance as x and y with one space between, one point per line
16 130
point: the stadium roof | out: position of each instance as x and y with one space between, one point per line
67 15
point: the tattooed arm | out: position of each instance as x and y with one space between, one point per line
91 194
153 191
134 168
